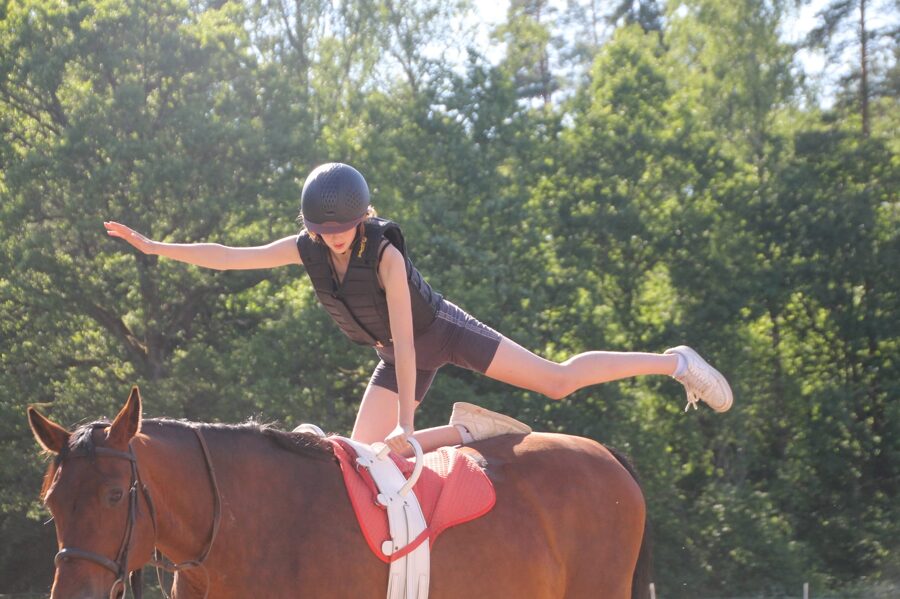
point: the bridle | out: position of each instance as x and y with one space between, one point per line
119 566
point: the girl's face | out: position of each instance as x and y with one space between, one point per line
339 243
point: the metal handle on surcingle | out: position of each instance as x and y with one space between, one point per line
417 470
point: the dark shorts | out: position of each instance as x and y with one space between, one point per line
453 338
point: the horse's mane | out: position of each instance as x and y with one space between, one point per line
306 444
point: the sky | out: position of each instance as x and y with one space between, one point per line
493 12
489 13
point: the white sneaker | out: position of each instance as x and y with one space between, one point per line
702 381
310 429
483 424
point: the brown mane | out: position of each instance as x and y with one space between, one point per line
305 444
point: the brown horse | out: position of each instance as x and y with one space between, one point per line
250 511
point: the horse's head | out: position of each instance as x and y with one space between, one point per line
93 489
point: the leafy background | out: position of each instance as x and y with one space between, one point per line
598 176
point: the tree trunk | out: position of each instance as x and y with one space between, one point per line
864 68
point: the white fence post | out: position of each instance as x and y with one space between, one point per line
652 591
805 590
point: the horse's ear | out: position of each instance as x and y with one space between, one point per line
51 436
128 422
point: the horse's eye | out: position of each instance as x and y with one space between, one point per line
114 496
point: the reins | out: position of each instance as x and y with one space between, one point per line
160 562
119 566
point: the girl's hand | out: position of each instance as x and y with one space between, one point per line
397 439
114 229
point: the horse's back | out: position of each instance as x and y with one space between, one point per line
568 522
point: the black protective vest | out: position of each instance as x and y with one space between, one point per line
358 305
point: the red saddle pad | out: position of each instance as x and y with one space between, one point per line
451 490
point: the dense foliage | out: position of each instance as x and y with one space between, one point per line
658 175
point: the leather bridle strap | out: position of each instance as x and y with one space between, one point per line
160 562
67 554
119 567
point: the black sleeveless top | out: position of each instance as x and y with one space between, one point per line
358 304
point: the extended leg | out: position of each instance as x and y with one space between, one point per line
518 366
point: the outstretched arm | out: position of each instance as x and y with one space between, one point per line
212 255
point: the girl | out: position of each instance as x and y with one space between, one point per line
359 268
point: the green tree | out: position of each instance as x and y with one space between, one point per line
638 162
131 111
847 23
838 341
528 38
677 191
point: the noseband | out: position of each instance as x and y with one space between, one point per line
119 566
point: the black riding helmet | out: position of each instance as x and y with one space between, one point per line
335 198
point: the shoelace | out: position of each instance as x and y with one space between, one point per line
692 400
698 382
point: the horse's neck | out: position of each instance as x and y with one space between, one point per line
173 467
248 469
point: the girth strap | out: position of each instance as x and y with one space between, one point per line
408 546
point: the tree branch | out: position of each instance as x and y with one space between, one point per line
112 323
